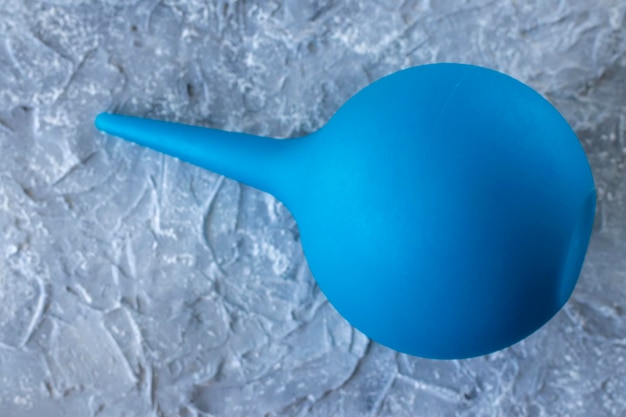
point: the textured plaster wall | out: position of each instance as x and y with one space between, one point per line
132 284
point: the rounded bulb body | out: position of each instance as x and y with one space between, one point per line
447 210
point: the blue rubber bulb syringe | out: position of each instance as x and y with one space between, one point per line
445 210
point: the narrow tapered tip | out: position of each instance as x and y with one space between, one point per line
257 161
103 121
144 132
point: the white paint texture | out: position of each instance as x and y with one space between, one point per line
132 284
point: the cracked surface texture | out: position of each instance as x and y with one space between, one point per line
132 284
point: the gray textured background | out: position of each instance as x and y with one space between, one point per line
132 284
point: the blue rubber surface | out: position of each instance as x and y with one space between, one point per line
445 210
